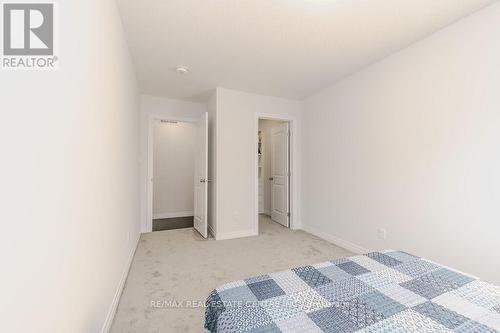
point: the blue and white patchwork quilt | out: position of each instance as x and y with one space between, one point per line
383 292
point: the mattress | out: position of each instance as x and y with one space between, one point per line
386 292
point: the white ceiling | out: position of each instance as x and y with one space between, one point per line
285 48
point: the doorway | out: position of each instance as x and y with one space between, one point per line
178 169
273 170
173 170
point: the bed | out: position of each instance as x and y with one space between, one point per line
383 292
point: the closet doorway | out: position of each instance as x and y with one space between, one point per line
178 174
274 176
173 170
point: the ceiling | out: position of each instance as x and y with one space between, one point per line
285 48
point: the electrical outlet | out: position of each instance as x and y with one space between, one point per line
382 234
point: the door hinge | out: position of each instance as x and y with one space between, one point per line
288 214
289 134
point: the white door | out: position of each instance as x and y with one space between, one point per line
201 176
280 174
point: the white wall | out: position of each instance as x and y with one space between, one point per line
236 144
411 144
173 171
159 108
69 195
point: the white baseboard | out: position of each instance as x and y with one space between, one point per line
295 225
236 234
121 284
172 215
358 249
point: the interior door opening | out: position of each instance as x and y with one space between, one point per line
274 173
179 175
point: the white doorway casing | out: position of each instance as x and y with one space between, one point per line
292 124
150 163
158 108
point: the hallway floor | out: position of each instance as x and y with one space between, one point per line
179 265
173 223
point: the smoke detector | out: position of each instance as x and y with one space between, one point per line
182 70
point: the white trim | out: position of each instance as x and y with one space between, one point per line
358 249
121 284
236 234
149 180
173 214
293 167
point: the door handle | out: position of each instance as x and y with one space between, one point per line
205 180
271 178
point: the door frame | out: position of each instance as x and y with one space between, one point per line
149 180
293 163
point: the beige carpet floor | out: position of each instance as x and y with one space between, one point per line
180 266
